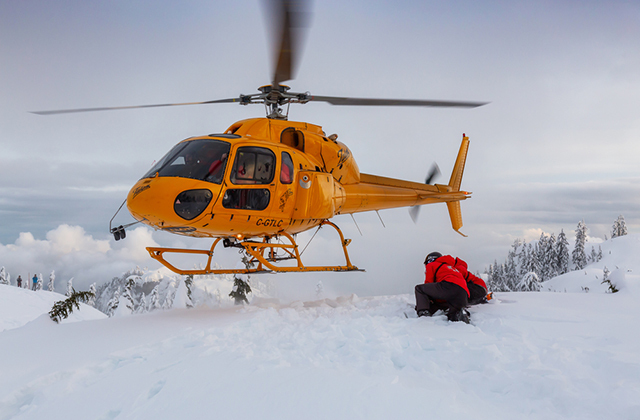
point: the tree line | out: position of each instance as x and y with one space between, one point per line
529 264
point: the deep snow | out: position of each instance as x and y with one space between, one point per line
547 355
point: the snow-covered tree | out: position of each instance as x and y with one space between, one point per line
619 227
142 305
154 300
3 276
511 268
549 266
113 303
523 257
606 280
241 284
69 287
52 279
578 256
126 298
188 281
181 298
562 253
529 283
92 298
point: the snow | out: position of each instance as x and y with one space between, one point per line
536 355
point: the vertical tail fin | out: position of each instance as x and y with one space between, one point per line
454 185
458 168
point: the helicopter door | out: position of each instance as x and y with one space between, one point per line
252 183
284 202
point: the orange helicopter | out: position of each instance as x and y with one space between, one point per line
263 180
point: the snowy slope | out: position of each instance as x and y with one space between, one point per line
19 306
527 355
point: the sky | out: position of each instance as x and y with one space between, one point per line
558 142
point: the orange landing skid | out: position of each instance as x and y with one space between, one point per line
264 256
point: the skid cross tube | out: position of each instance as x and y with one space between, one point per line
263 254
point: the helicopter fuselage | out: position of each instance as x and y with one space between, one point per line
270 176
263 177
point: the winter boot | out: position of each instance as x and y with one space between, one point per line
423 312
456 315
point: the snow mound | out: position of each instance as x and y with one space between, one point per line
20 306
619 256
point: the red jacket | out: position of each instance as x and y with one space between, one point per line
443 269
461 266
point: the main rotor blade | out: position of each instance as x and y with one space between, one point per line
71 111
337 100
293 16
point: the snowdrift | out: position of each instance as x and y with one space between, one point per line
20 306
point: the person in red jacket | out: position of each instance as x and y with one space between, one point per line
476 286
444 288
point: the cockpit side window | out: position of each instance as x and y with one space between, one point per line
204 160
253 165
286 170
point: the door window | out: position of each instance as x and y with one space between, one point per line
253 165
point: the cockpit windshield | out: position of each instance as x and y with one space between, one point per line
204 160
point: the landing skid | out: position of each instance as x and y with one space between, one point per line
263 255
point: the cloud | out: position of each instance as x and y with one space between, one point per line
71 252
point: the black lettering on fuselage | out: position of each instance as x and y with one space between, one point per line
269 222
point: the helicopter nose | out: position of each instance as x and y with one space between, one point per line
170 202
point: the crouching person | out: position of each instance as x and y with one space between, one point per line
444 288
475 285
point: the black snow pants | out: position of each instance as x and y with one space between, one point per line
455 296
477 292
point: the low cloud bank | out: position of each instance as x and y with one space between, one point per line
71 252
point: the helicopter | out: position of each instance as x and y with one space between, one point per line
262 181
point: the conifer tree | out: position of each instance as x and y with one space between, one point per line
523 257
619 227
92 299
3 276
511 268
188 281
181 298
69 287
578 255
550 261
63 308
113 303
562 253
154 299
241 284
52 279
39 283
529 283
142 305
606 280
127 296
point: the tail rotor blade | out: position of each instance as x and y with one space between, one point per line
434 172
414 212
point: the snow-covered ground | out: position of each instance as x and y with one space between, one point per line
551 355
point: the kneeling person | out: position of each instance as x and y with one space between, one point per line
443 282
